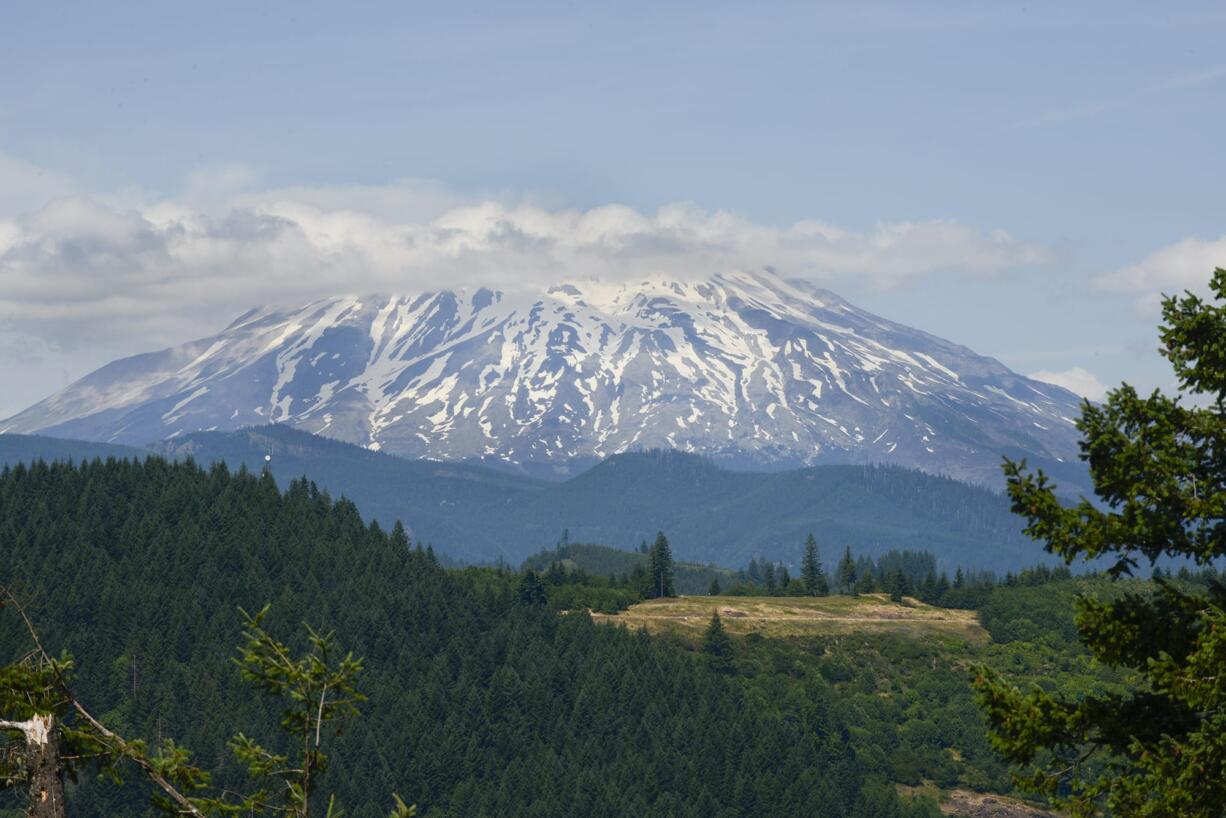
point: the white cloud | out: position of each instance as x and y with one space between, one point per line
88 270
25 187
1184 265
1078 380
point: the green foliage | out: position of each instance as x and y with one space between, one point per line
847 573
717 645
811 572
316 690
532 591
660 569
484 706
601 560
711 514
1159 747
898 586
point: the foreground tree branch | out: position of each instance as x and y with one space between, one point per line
317 688
44 764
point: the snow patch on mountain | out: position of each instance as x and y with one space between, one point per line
747 368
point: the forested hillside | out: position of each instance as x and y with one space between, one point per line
28 448
480 705
711 515
691 578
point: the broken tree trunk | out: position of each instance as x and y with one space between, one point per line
42 763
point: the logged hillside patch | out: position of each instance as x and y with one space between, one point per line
799 616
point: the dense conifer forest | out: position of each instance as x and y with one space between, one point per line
480 704
491 691
477 514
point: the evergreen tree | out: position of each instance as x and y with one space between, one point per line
661 570
717 645
785 580
847 572
1158 464
487 706
811 570
532 591
941 589
715 589
640 580
898 586
768 576
318 689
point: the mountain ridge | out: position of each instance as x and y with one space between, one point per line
711 514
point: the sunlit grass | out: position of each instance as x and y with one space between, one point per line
799 616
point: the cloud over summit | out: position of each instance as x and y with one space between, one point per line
92 270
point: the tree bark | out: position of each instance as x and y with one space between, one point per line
42 765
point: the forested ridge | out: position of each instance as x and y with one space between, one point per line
711 514
479 704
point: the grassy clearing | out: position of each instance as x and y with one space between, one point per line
799 616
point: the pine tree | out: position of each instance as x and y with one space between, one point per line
717 644
661 570
768 576
714 590
785 580
811 570
1158 465
847 572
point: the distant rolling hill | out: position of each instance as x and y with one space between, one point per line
711 515
26 448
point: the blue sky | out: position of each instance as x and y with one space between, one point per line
1054 166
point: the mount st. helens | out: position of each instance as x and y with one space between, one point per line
748 369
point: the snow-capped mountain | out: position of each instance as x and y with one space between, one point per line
747 368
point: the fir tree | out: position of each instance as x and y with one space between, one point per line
1158 465
661 570
811 570
847 572
717 645
768 576
754 571
714 590
898 586
941 589
532 591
